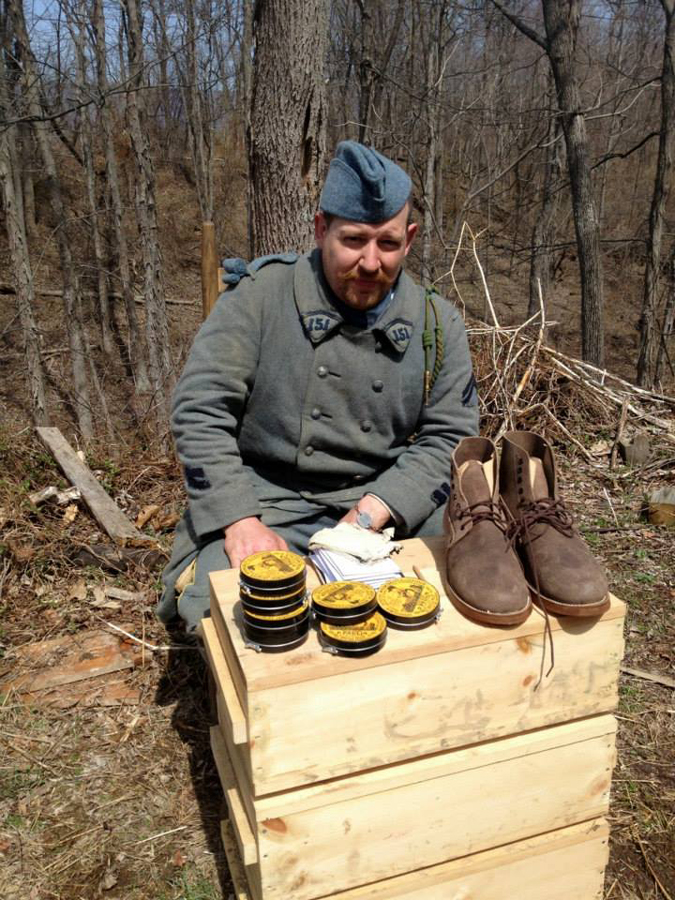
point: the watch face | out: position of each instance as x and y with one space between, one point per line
364 519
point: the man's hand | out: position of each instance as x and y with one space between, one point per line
377 511
247 536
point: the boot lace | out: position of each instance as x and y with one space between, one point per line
547 511
483 511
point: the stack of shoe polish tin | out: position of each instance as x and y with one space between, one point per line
409 603
272 589
347 619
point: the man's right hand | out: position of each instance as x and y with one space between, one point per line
248 536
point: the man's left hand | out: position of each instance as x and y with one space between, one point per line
378 512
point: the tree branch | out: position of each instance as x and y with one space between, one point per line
521 26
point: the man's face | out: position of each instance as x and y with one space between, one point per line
361 261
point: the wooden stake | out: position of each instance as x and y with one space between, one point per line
209 268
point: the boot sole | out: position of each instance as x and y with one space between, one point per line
575 610
484 617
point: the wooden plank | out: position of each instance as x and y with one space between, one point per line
649 676
234 864
45 665
234 665
557 865
240 767
439 765
242 829
346 844
453 631
234 716
106 512
312 731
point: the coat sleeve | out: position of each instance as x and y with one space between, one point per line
418 482
208 403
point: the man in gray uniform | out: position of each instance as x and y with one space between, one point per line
305 400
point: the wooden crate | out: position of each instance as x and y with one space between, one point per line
306 716
566 864
368 827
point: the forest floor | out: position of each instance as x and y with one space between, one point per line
123 801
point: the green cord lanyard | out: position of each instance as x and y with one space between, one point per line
429 339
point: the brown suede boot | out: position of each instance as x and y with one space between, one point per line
562 573
484 577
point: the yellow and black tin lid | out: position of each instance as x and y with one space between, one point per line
354 640
272 570
344 602
409 603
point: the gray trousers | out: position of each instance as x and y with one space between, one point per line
295 527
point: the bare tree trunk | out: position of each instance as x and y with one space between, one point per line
366 72
544 226
18 249
135 347
561 20
71 293
76 23
288 122
649 331
156 322
200 132
247 84
432 107
668 322
562 23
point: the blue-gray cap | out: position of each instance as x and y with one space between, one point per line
363 185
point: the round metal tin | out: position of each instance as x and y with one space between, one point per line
272 570
260 597
276 633
267 607
409 603
277 620
355 640
344 602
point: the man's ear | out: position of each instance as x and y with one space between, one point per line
320 229
410 233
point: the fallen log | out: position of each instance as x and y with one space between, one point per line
104 509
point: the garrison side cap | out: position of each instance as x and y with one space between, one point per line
363 185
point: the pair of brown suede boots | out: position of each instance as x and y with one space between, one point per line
511 539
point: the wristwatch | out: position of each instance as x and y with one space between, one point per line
364 519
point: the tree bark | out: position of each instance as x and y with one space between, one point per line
650 333
544 227
72 306
156 321
288 122
561 21
76 23
18 249
136 352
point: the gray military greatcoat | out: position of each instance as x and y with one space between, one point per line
282 403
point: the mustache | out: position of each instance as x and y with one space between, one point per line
380 278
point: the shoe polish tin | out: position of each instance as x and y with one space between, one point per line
277 606
278 632
354 640
344 602
272 573
409 603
